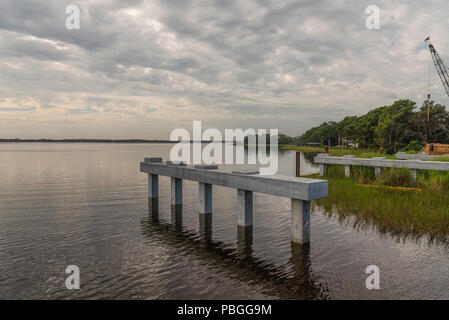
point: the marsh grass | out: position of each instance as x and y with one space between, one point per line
338 152
405 213
443 158
435 181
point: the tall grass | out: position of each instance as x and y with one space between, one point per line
405 213
436 181
338 152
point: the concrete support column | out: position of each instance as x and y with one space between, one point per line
176 191
245 207
347 171
244 241
206 227
348 167
153 186
323 169
300 212
377 171
413 174
205 198
323 166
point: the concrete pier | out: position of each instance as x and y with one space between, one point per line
323 169
205 191
176 191
378 170
347 171
413 174
300 214
323 166
244 208
153 179
205 198
380 162
153 186
348 167
300 190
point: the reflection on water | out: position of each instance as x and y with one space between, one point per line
240 264
86 204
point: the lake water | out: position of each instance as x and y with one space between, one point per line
86 204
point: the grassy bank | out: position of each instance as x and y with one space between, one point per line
434 181
338 152
417 208
401 212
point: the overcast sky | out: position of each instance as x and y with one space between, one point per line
138 69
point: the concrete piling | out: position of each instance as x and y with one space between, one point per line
176 191
323 169
300 215
245 207
153 186
413 174
348 167
378 170
323 166
205 198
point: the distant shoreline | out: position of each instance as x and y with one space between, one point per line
94 141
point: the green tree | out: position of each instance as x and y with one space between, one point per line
394 129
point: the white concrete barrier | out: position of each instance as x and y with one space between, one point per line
379 162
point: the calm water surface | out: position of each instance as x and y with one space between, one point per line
86 204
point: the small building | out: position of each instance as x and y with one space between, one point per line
435 149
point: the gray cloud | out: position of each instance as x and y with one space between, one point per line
286 64
17 109
85 110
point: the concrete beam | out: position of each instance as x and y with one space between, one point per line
206 166
384 163
153 159
174 163
256 171
422 156
283 186
244 207
205 198
176 191
300 212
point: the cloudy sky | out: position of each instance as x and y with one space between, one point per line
138 69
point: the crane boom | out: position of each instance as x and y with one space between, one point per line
441 68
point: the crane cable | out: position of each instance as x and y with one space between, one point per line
428 88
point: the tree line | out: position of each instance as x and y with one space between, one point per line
400 126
